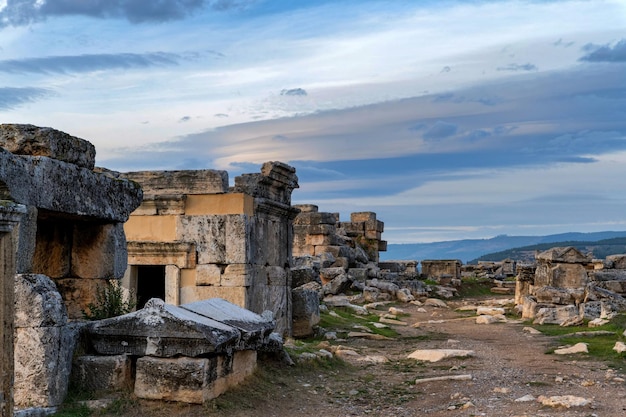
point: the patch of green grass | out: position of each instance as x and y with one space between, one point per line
73 410
600 347
345 320
475 287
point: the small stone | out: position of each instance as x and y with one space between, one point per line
380 325
422 310
501 390
435 355
467 405
489 311
587 383
566 401
558 379
619 347
435 302
577 348
526 398
486 319
323 353
531 330
330 335
598 322
395 311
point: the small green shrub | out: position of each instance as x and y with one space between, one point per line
110 302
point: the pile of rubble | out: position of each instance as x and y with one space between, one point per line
334 258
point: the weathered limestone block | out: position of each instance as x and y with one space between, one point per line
37 302
26 241
358 274
43 358
338 285
328 274
209 235
237 241
562 275
98 251
303 275
522 289
52 255
44 343
239 275
275 182
362 216
556 315
208 274
619 261
78 293
559 295
306 208
591 310
315 218
618 287
66 188
205 181
306 311
608 275
191 380
94 373
24 139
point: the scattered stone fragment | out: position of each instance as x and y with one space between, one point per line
467 405
435 355
577 348
394 322
502 390
593 333
395 311
306 356
566 401
330 335
487 319
323 353
380 325
489 311
370 336
374 359
464 377
531 330
526 398
346 353
435 302
598 322
587 383
619 347
422 310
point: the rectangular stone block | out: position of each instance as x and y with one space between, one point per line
237 295
52 255
181 379
238 275
209 235
382 245
151 228
205 181
316 240
353 229
94 373
78 293
208 274
219 204
362 216
237 239
315 218
375 225
95 249
373 234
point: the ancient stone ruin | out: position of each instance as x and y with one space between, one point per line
195 238
188 353
70 238
567 287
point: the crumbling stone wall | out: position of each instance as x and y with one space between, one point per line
441 270
214 241
70 241
73 228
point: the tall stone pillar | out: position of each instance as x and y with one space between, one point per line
10 214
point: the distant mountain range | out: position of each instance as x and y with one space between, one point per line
471 249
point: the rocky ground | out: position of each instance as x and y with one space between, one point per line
507 374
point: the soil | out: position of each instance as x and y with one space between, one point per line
508 364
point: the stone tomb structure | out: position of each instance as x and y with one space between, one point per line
443 270
194 238
70 238
189 353
568 286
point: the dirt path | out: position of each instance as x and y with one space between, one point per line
508 364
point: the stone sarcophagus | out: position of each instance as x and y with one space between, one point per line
189 353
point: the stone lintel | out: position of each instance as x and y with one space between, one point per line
66 188
181 254
204 181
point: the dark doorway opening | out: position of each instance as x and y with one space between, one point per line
150 283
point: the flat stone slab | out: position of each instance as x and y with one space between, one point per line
577 348
253 327
436 355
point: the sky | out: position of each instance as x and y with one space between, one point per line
449 119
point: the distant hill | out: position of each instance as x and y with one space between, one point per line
471 249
